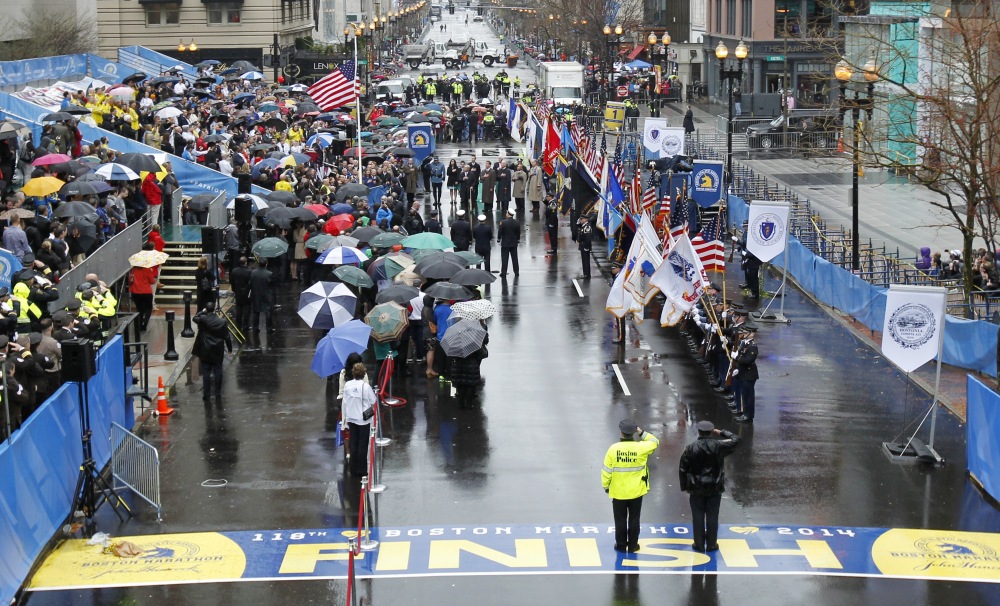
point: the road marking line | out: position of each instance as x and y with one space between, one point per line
621 380
577 285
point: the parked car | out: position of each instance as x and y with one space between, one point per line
806 128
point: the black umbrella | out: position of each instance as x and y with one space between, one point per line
473 277
205 81
277 123
136 77
214 139
402 152
160 80
57 117
76 110
440 255
400 293
76 209
283 217
305 108
437 269
200 202
10 129
139 162
364 234
87 232
284 197
81 188
243 66
448 291
349 190
73 167
89 178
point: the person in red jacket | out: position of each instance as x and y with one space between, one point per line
156 238
142 281
151 190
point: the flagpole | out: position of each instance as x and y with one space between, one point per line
357 106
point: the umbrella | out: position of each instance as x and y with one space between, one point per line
401 152
473 277
386 240
284 197
20 213
214 139
350 190
75 209
471 258
339 223
268 107
388 121
365 234
148 258
448 291
408 277
295 159
396 263
341 208
318 209
116 172
354 276
463 338
327 304
10 129
139 162
333 349
342 255
252 76
276 123
426 256
39 187
480 309
377 270
256 202
388 321
201 202
49 159
206 63
86 232
57 117
399 293
76 110
157 81
265 164
73 167
319 241
321 139
428 240
270 248
82 188
244 66
122 91
438 269
136 77
168 112
283 216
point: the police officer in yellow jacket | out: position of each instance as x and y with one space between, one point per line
625 477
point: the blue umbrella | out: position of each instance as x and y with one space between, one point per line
340 342
433 106
340 208
321 139
242 96
268 107
265 164
252 76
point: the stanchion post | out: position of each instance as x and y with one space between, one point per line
351 594
171 353
375 486
380 440
367 543
188 332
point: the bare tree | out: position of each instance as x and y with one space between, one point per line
938 107
47 34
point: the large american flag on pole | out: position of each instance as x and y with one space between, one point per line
338 89
678 219
708 244
649 195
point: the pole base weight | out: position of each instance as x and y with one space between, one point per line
916 453
769 318
368 544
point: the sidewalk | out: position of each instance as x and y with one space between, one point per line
156 336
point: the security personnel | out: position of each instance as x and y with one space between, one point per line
420 80
703 476
456 91
625 477
517 82
488 122
552 224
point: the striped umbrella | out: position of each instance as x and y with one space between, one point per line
116 172
323 140
342 255
396 263
256 202
327 304
463 338
388 321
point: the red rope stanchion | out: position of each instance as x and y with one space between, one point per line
361 514
350 571
384 380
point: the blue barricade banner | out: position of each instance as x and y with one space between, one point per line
473 550
420 140
982 450
706 182
18 73
108 71
8 265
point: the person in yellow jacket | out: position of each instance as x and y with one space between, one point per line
27 312
625 477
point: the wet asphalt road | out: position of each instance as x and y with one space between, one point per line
531 452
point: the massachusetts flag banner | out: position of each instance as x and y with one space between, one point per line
338 89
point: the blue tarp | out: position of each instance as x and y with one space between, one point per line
970 344
108 71
40 464
61 67
982 435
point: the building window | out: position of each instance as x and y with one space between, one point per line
163 14
718 16
731 17
223 14
747 25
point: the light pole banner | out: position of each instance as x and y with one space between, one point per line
914 324
652 133
767 228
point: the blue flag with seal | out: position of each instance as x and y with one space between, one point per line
9 265
420 140
706 182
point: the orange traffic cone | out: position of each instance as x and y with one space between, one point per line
840 144
161 401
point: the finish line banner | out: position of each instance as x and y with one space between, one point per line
219 557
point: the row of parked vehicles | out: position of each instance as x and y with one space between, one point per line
452 54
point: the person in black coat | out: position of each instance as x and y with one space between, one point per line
432 224
461 231
239 282
552 224
745 375
703 476
482 234
262 297
464 373
688 121
503 185
212 337
508 237
584 241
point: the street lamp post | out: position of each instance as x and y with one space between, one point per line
609 44
855 104
729 76
665 41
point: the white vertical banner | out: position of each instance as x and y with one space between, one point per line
767 228
653 131
914 324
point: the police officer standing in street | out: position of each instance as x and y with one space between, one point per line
552 224
745 373
584 241
703 477
625 477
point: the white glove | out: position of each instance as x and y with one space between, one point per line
733 355
736 372
715 328
725 341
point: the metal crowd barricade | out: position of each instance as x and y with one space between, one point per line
217 213
109 262
135 463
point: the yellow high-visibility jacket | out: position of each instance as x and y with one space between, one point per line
625 474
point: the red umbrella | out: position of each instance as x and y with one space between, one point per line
339 222
319 209
51 159
353 152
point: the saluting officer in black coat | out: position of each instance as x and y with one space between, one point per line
552 224
482 233
584 241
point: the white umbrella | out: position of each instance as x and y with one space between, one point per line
252 76
116 172
480 309
256 202
122 91
327 304
342 255
168 112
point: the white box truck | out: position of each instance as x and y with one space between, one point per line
562 82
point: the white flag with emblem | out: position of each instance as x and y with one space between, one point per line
767 228
680 279
913 330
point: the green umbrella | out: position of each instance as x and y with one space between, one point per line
162 104
389 121
396 263
316 242
386 240
270 248
419 255
428 240
470 257
354 276
388 321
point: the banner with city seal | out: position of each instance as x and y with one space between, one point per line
914 324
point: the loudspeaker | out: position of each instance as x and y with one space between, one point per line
244 209
79 360
211 240
243 184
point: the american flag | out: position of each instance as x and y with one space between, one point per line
542 110
618 154
678 220
635 192
604 144
708 244
649 196
577 135
338 89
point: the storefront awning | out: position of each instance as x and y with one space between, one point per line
635 52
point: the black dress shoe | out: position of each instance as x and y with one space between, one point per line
743 419
698 549
713 547
729 397
633 548
742 286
